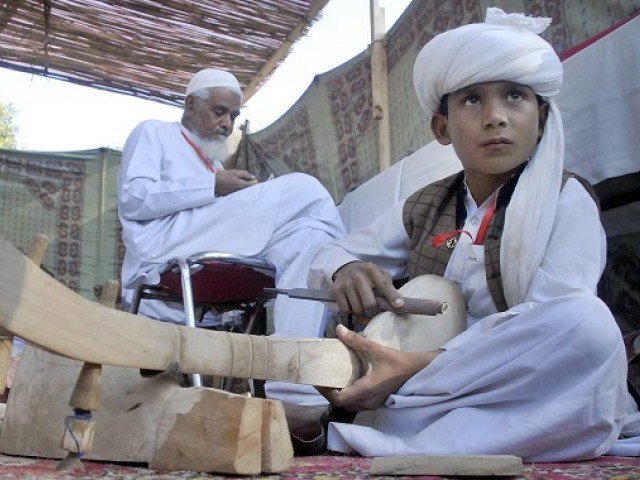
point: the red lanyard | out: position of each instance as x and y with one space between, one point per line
200 154
439 239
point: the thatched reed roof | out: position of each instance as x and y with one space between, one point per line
150 48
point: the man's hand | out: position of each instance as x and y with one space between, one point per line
353 286
229 181
389 370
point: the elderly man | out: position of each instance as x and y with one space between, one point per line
176 199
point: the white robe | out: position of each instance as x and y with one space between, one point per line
545 380
168 209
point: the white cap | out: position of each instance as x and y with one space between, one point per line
212 77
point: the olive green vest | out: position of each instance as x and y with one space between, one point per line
439 208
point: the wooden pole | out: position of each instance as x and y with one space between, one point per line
85 399
380 83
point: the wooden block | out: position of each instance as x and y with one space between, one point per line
210 431
78 435
458 465
130 406
277 450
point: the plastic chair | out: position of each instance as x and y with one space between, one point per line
214 280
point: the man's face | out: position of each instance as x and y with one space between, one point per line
212 118
494 127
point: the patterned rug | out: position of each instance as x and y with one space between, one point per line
316 468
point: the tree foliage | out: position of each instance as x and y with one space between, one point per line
8 129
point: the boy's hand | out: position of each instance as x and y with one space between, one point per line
229 181
389 370
353 286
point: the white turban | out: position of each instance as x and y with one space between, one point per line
506 48
212 77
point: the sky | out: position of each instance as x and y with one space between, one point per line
53 115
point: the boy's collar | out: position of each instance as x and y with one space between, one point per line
505 190
504 195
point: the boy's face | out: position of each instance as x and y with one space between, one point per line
494 127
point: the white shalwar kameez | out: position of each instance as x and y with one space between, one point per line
168 209
544 380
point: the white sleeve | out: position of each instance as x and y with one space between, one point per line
576 254
384 242
143 191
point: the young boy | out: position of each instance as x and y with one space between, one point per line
540 371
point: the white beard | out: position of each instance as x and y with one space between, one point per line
214 149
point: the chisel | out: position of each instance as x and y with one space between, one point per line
415 306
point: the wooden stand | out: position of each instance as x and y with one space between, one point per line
211 430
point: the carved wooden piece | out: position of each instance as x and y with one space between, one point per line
36 254
455 465
41 310
421 332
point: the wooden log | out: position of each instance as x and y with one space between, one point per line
36 254
194 433
41 310
455 465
